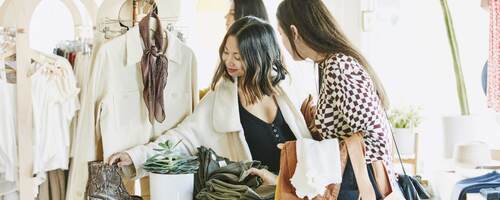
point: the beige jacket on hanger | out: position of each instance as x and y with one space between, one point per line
215 123
113 109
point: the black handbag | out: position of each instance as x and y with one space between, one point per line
410 186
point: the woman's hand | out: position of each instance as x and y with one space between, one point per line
268 177
121 158
308 110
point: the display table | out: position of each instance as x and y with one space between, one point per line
443 181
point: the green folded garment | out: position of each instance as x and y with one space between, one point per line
220 190
218 178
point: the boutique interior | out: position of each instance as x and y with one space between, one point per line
75 90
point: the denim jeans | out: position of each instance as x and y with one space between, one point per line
349 187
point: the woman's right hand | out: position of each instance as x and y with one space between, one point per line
121 159
308 110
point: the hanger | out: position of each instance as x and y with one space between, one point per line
8 51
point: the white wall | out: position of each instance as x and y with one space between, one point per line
47 27
413 59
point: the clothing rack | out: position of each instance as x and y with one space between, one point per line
17 14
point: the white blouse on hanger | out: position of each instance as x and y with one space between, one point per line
55 101
8 147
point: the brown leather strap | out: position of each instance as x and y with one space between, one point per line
356 154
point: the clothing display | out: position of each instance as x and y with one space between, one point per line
70 49
55 101
105 183
291 105
493 90
474 185
348 103
263 138
114 113
318 165
218 178
223 131
8 144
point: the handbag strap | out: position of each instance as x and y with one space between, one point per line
396 145
356 155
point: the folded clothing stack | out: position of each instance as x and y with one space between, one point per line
218 178
490 193
474 185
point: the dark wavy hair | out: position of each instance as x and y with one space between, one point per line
256 8
261 58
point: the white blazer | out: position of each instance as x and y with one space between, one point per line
113 110
215 123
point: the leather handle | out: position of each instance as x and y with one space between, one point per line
356 154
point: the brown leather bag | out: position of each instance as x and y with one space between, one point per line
288 162
308 110
352 146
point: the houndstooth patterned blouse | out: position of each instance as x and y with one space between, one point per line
348 103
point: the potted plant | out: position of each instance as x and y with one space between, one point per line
404 121
462 128
171 173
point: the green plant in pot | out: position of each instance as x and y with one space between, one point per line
404 121
169 161
171 173
459 128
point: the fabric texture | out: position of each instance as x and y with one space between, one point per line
57 184
288 163
493 89
348 103
154 67
475 184
8 144
113 111
318 165
55 102
218 178
216 124
263 138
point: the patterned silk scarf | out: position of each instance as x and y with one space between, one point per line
154 67
494 57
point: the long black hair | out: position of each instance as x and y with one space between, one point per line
261 58
256 8
319 30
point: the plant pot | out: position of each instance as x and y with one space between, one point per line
459 130
171 186
405 139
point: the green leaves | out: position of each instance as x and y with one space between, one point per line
168 161
457 66
405 117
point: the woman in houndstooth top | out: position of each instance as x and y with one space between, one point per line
351 97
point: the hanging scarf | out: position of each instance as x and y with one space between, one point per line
494 57
154 67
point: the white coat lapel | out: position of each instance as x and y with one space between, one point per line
226 115
290 112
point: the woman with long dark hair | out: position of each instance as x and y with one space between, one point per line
243 8
351 96
247 113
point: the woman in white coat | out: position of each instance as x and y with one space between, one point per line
248 111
